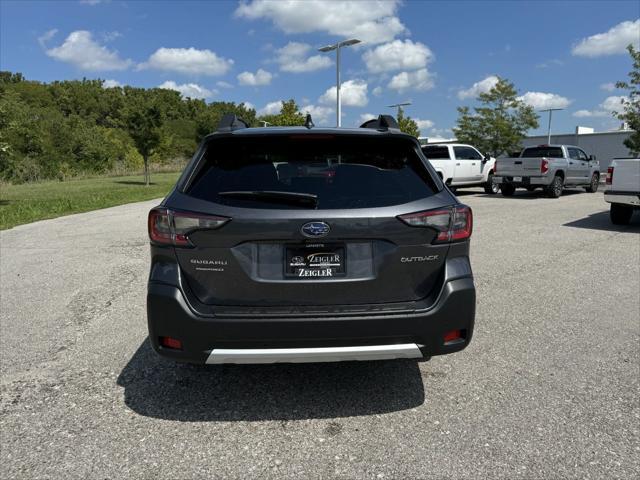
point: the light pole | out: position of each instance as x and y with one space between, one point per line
265 123
336 47
399 106
550 110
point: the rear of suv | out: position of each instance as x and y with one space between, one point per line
304 244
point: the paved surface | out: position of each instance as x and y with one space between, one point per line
549 387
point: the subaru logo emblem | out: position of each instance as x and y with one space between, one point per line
315 229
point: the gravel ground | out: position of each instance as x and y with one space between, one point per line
548 388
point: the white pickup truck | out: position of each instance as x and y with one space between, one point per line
550 167
623 189
461 165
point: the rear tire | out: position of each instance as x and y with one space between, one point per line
620 214
507 190
554 190
593 186
491 187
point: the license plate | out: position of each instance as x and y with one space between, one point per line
315 261
517 179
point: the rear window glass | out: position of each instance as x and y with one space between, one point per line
436 152
553 152
342 171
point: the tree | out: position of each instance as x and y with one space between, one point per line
145 120
631 114
500 124
289 116
407 124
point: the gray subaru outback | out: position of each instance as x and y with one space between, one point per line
305 244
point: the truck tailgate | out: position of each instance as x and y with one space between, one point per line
518 166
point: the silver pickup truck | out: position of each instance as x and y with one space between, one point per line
550 167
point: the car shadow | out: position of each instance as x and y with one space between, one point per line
159 388
133 182
601 221
536 194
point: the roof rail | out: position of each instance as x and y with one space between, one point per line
309 122
383 123
230 122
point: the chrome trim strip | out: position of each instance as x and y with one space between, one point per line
305 355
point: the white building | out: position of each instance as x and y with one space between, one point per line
604 145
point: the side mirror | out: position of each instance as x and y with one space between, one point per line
592 158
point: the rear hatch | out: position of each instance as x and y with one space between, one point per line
313 220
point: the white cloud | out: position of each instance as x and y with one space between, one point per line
111 84
608 87
542 100
271 108
483 86
223 84
293 58
192 90
90 2
397 55
82 51
320 115
377 91
605 109
188 61
261 77
419 80
364 117
424 125
353 93
612 42
551 63
46 36
370 21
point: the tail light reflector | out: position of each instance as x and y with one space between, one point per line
168 227
455 223
544 166
609 178
170 342
453 336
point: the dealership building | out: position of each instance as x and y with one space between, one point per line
604 145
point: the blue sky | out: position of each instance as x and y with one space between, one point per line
437 55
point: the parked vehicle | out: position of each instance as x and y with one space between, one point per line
256 260
460 165
550 167
622 189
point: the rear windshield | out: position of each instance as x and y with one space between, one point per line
552 152
343 172
436 152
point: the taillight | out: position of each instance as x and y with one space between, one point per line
454 223
169 227
609 179
495 167
544 166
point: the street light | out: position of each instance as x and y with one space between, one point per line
399 105
336 47
550 110
265 123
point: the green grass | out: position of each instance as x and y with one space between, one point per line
36 201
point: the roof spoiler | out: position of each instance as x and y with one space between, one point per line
382 123
230 122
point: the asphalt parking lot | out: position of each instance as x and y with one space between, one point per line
548 388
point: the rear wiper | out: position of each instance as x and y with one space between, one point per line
275 196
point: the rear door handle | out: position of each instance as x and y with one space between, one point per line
570 163
458 164
473 163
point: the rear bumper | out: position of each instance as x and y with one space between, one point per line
524 180
626 198
215 339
